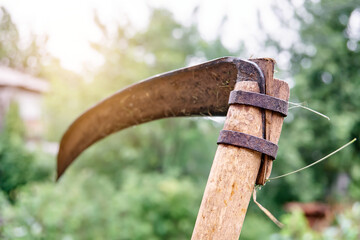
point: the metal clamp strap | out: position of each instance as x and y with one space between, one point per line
259 100
240 139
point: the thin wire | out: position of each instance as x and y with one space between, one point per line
309 109
312 164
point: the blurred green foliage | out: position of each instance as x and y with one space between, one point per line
18 166
15 160
346 228
149 206
147 181
324 67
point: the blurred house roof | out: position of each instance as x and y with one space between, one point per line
13 78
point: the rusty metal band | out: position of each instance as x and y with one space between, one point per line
259 100
240 139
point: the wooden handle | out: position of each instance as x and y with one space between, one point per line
232 176
235 170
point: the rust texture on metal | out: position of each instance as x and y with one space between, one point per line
201 90
259 100
240 139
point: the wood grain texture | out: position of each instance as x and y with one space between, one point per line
232 176
274 121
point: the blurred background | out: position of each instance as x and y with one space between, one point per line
58 58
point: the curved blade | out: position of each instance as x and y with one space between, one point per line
199 90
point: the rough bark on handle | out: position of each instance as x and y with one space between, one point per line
232 176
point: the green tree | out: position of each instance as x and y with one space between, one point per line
16 163
150 206
325 66
18 166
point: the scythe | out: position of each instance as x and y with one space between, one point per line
242 90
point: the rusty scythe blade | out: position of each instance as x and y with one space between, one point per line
201 90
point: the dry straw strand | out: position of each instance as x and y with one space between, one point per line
267 212
296 105
316 162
